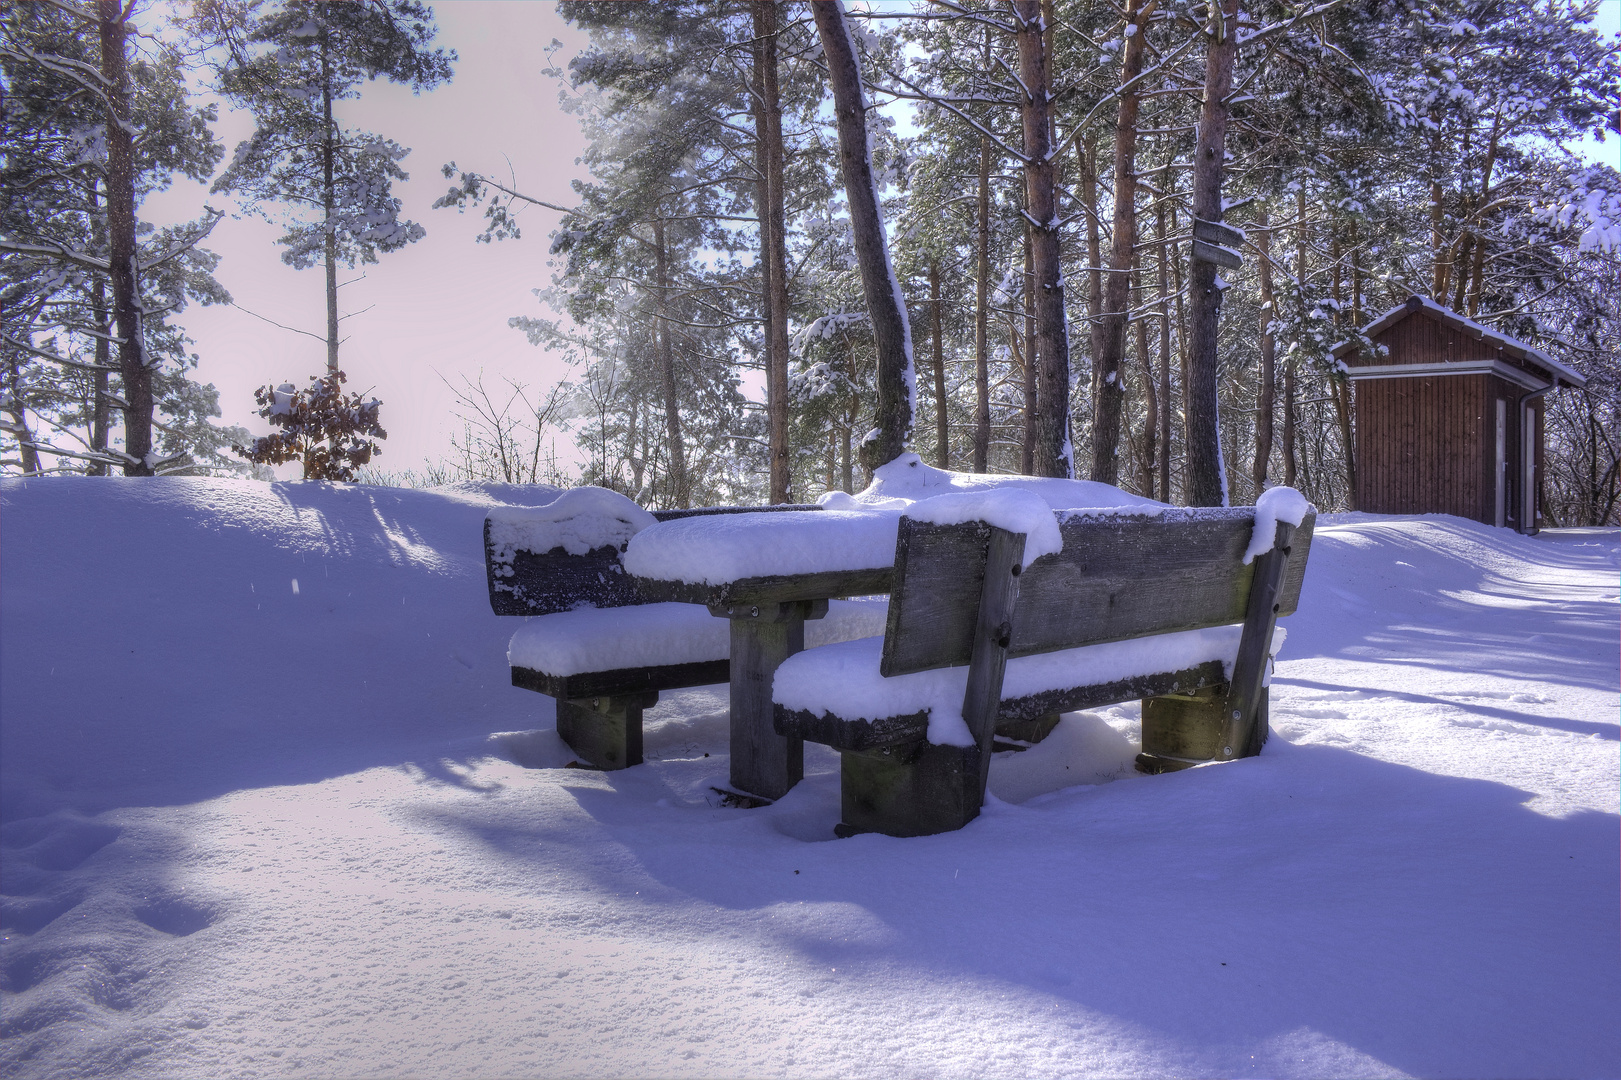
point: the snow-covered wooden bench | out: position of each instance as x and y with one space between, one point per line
596 644
1134 605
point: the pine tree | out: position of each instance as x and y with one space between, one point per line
96 117
290 63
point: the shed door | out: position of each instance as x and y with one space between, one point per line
1500 463
1528 469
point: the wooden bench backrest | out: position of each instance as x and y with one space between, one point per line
543 582
1118 577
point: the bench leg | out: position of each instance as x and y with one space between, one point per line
763 636
606 732
1183 730
914 790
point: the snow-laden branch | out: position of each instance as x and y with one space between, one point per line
54 251
53 357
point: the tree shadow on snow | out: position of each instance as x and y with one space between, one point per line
1429 922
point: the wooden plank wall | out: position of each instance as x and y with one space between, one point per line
1429 445
1423 445
1419 339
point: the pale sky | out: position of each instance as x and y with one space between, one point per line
441 305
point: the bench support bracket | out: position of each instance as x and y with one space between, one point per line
605 732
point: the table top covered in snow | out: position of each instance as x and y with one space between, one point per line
847 548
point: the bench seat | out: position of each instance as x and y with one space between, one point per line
604 666
835 695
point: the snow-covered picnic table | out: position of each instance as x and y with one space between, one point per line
767 573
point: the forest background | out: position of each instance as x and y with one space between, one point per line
1373 150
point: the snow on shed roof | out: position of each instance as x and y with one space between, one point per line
1513 346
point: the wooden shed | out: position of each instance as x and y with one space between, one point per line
1450 419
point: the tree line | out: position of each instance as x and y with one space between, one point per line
97 114
1127 237
1120 240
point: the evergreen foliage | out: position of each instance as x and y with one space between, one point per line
1371 151
88 292
332 186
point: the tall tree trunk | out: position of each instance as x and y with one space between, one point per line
1086 154
328 203
1028 367
1054 454
1266 393
1164 348
982 288
1109 387
1438 288
942 452
636 460
1291 456
679 494
1206 484
1339 385
773 242
100 406
1150 399
897 379
19 418
1179 283
132 361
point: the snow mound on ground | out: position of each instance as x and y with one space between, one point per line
245 831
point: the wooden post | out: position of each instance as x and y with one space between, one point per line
1223 723
605 732
763 636
922 788
1243 725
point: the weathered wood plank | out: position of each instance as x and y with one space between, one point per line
993 629
776 589
543 582
845 734
605 732
546 582
1118 577
705 511
1139 686
1243 736
623 681
934 602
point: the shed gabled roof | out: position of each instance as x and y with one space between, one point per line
1446 316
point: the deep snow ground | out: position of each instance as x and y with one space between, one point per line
248 830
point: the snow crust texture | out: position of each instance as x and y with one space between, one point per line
248 832
857 532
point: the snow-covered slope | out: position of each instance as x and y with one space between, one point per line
253 831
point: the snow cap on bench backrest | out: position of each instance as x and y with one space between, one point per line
1013 509
563 555
579 520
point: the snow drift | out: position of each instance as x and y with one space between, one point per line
253 829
